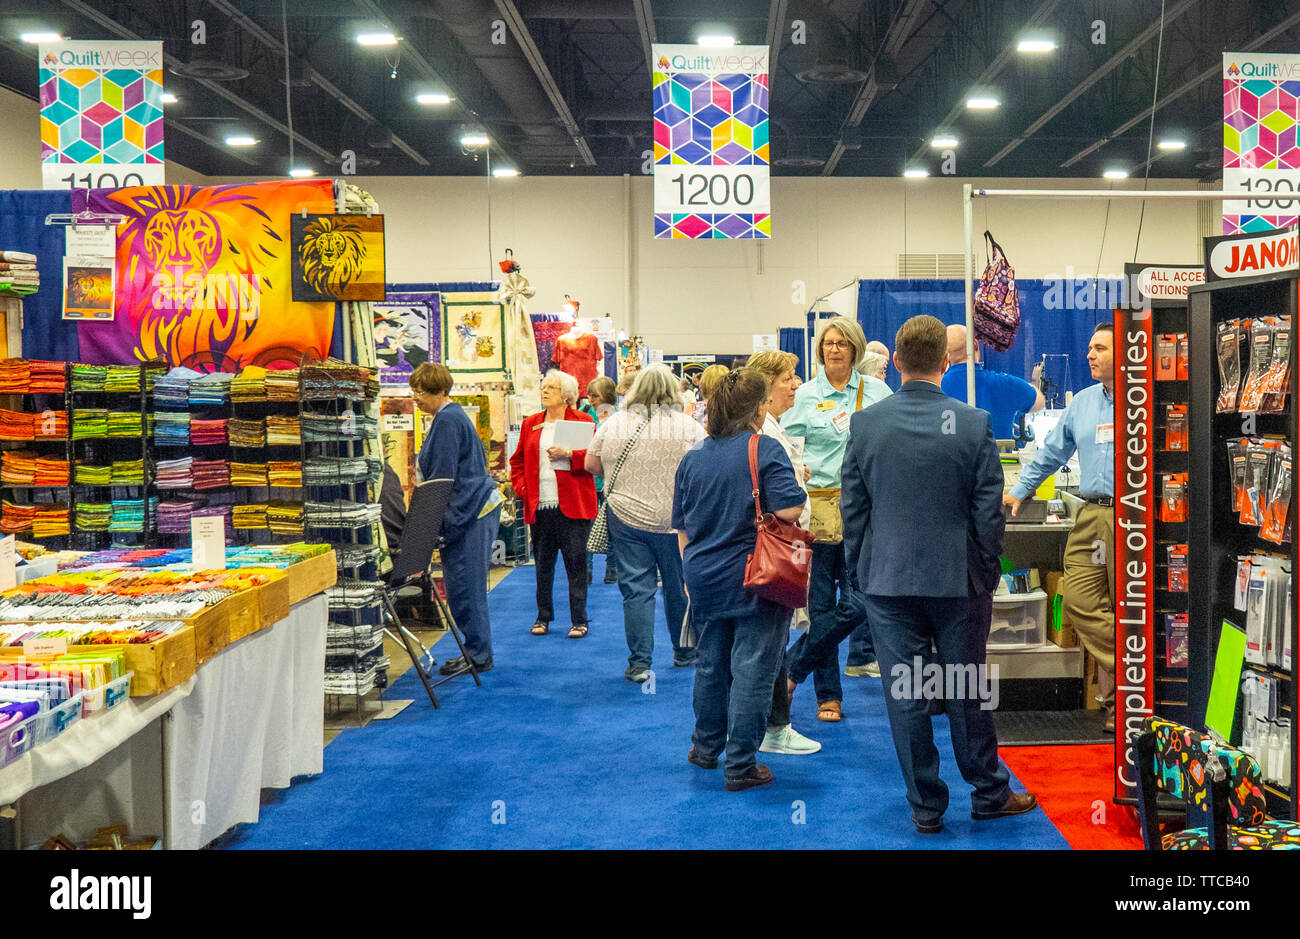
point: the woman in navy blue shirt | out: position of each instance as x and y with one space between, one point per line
453 450
739 635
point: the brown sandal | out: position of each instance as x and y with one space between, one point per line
578 631
829 711
540 628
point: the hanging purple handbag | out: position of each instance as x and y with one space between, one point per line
997 305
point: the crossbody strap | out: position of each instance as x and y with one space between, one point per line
622 457
862 381
753 473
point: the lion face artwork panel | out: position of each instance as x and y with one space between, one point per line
338 257
87 292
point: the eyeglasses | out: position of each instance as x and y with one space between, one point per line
834 344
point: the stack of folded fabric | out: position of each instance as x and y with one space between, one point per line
246 433
284 518
249 385
128 473
282 431
172 390
128 515
171 428
125 424
339 470
213 511
122 378
50 471
349 594
318 427
285 473
15 376
207 431
15 425
213 388
94 475
174 517
249 516
88 377
340 514
94 516
333 379
174 474
47 377
210 474
50 425
51 521
17 468
357 555
15 518
151 375
247 474
18 274
282 385
88 423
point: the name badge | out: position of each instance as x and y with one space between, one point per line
841 421
826 405
1105 433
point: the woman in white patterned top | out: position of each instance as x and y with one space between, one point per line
655 434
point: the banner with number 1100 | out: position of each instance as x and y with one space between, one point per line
711 142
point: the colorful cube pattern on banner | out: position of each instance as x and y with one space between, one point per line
1259 132
93 115
703 121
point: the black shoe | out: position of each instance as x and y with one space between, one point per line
701 762
610 578
684 663
936 706
760 775
928 828
458 664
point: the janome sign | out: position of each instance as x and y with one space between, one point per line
1251 255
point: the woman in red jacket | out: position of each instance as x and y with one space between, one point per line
559 497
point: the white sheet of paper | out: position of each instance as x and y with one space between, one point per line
208 534
574 435
8 561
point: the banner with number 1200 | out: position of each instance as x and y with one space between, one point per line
101 114
711 142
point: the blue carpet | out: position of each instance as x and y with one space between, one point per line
558 750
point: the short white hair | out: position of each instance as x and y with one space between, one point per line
568 385
874 364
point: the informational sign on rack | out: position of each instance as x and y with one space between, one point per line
1134 540
1260 155
8 563
1164 282
101 114
711 163
208 537
90 272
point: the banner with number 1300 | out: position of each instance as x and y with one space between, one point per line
711 142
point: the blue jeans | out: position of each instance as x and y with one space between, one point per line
465 564
735 667
836 611
642 554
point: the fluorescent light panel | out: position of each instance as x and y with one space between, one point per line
38 37
376 39
1036 45
505 171
982 102
474 140
301 172
716 40
241 140
1115 174
433 98
943 141
169 98
916 173
1172 145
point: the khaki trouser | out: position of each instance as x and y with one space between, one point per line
1088 588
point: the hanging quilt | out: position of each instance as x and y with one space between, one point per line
338 257
203 277
473 333
401 341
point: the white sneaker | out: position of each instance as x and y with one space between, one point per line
873 669
788 740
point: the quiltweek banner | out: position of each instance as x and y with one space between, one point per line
711 142
101 114
1261 153
203 277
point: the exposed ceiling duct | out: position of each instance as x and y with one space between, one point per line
829 56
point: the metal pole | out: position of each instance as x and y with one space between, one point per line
1110 194
968 224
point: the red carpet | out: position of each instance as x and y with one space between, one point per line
1068 782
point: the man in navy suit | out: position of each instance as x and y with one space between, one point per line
923 528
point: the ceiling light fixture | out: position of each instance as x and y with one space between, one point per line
241 140
508 171
35 38
376 39
719 41
474 140
168 98
433 98
982 102
1172 145
943 142
301 172
1037 46
916 172
1115 174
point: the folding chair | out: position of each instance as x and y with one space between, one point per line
420 537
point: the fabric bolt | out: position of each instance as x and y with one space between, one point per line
246 433
580 355
210 474
282 431
171 428
208 432
248 474
643 493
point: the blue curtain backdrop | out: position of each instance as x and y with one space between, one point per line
791 340
883 305
23 228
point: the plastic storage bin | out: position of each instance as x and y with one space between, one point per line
108 696
17 740
51 723
1019 621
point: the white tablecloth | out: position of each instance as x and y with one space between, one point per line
251 718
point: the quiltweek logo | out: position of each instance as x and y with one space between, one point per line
719 63
1233 71
1270 70
663 63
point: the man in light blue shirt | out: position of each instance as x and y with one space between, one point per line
1088 587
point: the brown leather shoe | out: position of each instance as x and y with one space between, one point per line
701 761
1018 804
760 775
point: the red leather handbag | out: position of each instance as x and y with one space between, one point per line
781 564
